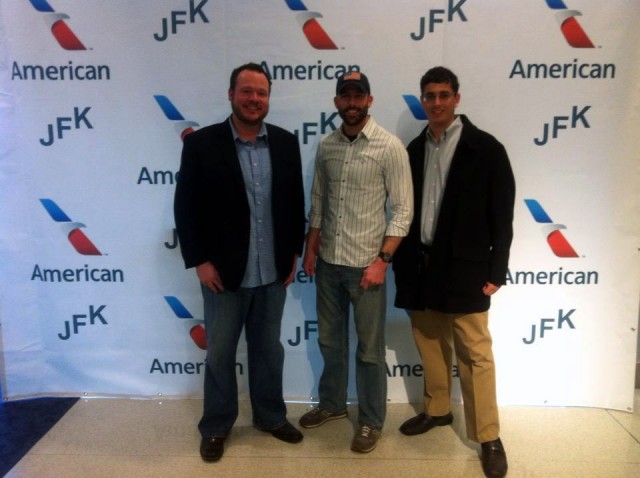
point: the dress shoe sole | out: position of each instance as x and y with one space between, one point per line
210 459
292 439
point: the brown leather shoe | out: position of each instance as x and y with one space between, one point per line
212 448
494 459
422 423
288 433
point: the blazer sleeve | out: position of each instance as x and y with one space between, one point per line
187 205
288 194
297 195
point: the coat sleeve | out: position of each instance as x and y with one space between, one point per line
502 198
297 198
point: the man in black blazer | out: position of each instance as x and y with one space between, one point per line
239 212
454 258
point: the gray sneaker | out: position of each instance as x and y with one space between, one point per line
365 439
319 416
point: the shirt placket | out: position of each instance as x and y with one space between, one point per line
431 186
345 172
258 195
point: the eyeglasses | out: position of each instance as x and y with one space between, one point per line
442 96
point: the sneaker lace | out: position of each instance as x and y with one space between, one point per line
365 431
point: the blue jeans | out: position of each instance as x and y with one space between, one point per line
337 287
259 310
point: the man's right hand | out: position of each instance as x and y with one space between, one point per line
208 275
311 251
309 262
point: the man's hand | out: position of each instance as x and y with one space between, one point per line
208 275
311 251
292 274
490 289
374 274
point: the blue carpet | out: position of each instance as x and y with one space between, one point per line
24 422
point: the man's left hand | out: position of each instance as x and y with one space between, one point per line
374 274
292 274
490 289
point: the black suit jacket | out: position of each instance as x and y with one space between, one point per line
473 231
212 211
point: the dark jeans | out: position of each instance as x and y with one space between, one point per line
259 310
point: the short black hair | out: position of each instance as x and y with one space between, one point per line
247 66
440 74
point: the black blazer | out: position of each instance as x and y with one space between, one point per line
473 232
212 211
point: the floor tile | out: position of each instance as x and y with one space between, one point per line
145 438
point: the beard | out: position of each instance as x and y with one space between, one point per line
353 116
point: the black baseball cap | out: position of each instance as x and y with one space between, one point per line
353 78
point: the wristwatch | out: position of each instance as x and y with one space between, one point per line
385 256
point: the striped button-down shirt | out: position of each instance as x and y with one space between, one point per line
351 185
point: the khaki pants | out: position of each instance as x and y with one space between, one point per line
437 335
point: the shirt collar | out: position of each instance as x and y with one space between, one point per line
453 127
262 134
367 131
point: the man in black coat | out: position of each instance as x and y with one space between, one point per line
453 260
239 211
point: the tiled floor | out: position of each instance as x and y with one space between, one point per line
152 438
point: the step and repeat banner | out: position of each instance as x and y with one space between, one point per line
95 98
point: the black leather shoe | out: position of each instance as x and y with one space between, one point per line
494 459
422 423
287 432
212 448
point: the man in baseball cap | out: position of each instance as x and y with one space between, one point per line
350 244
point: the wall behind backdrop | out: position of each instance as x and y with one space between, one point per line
95 98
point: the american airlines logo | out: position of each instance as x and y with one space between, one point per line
56 22
80 242
316 36
569 25
553 231
413 102
182 126
196 329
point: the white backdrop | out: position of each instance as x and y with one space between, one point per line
94 97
